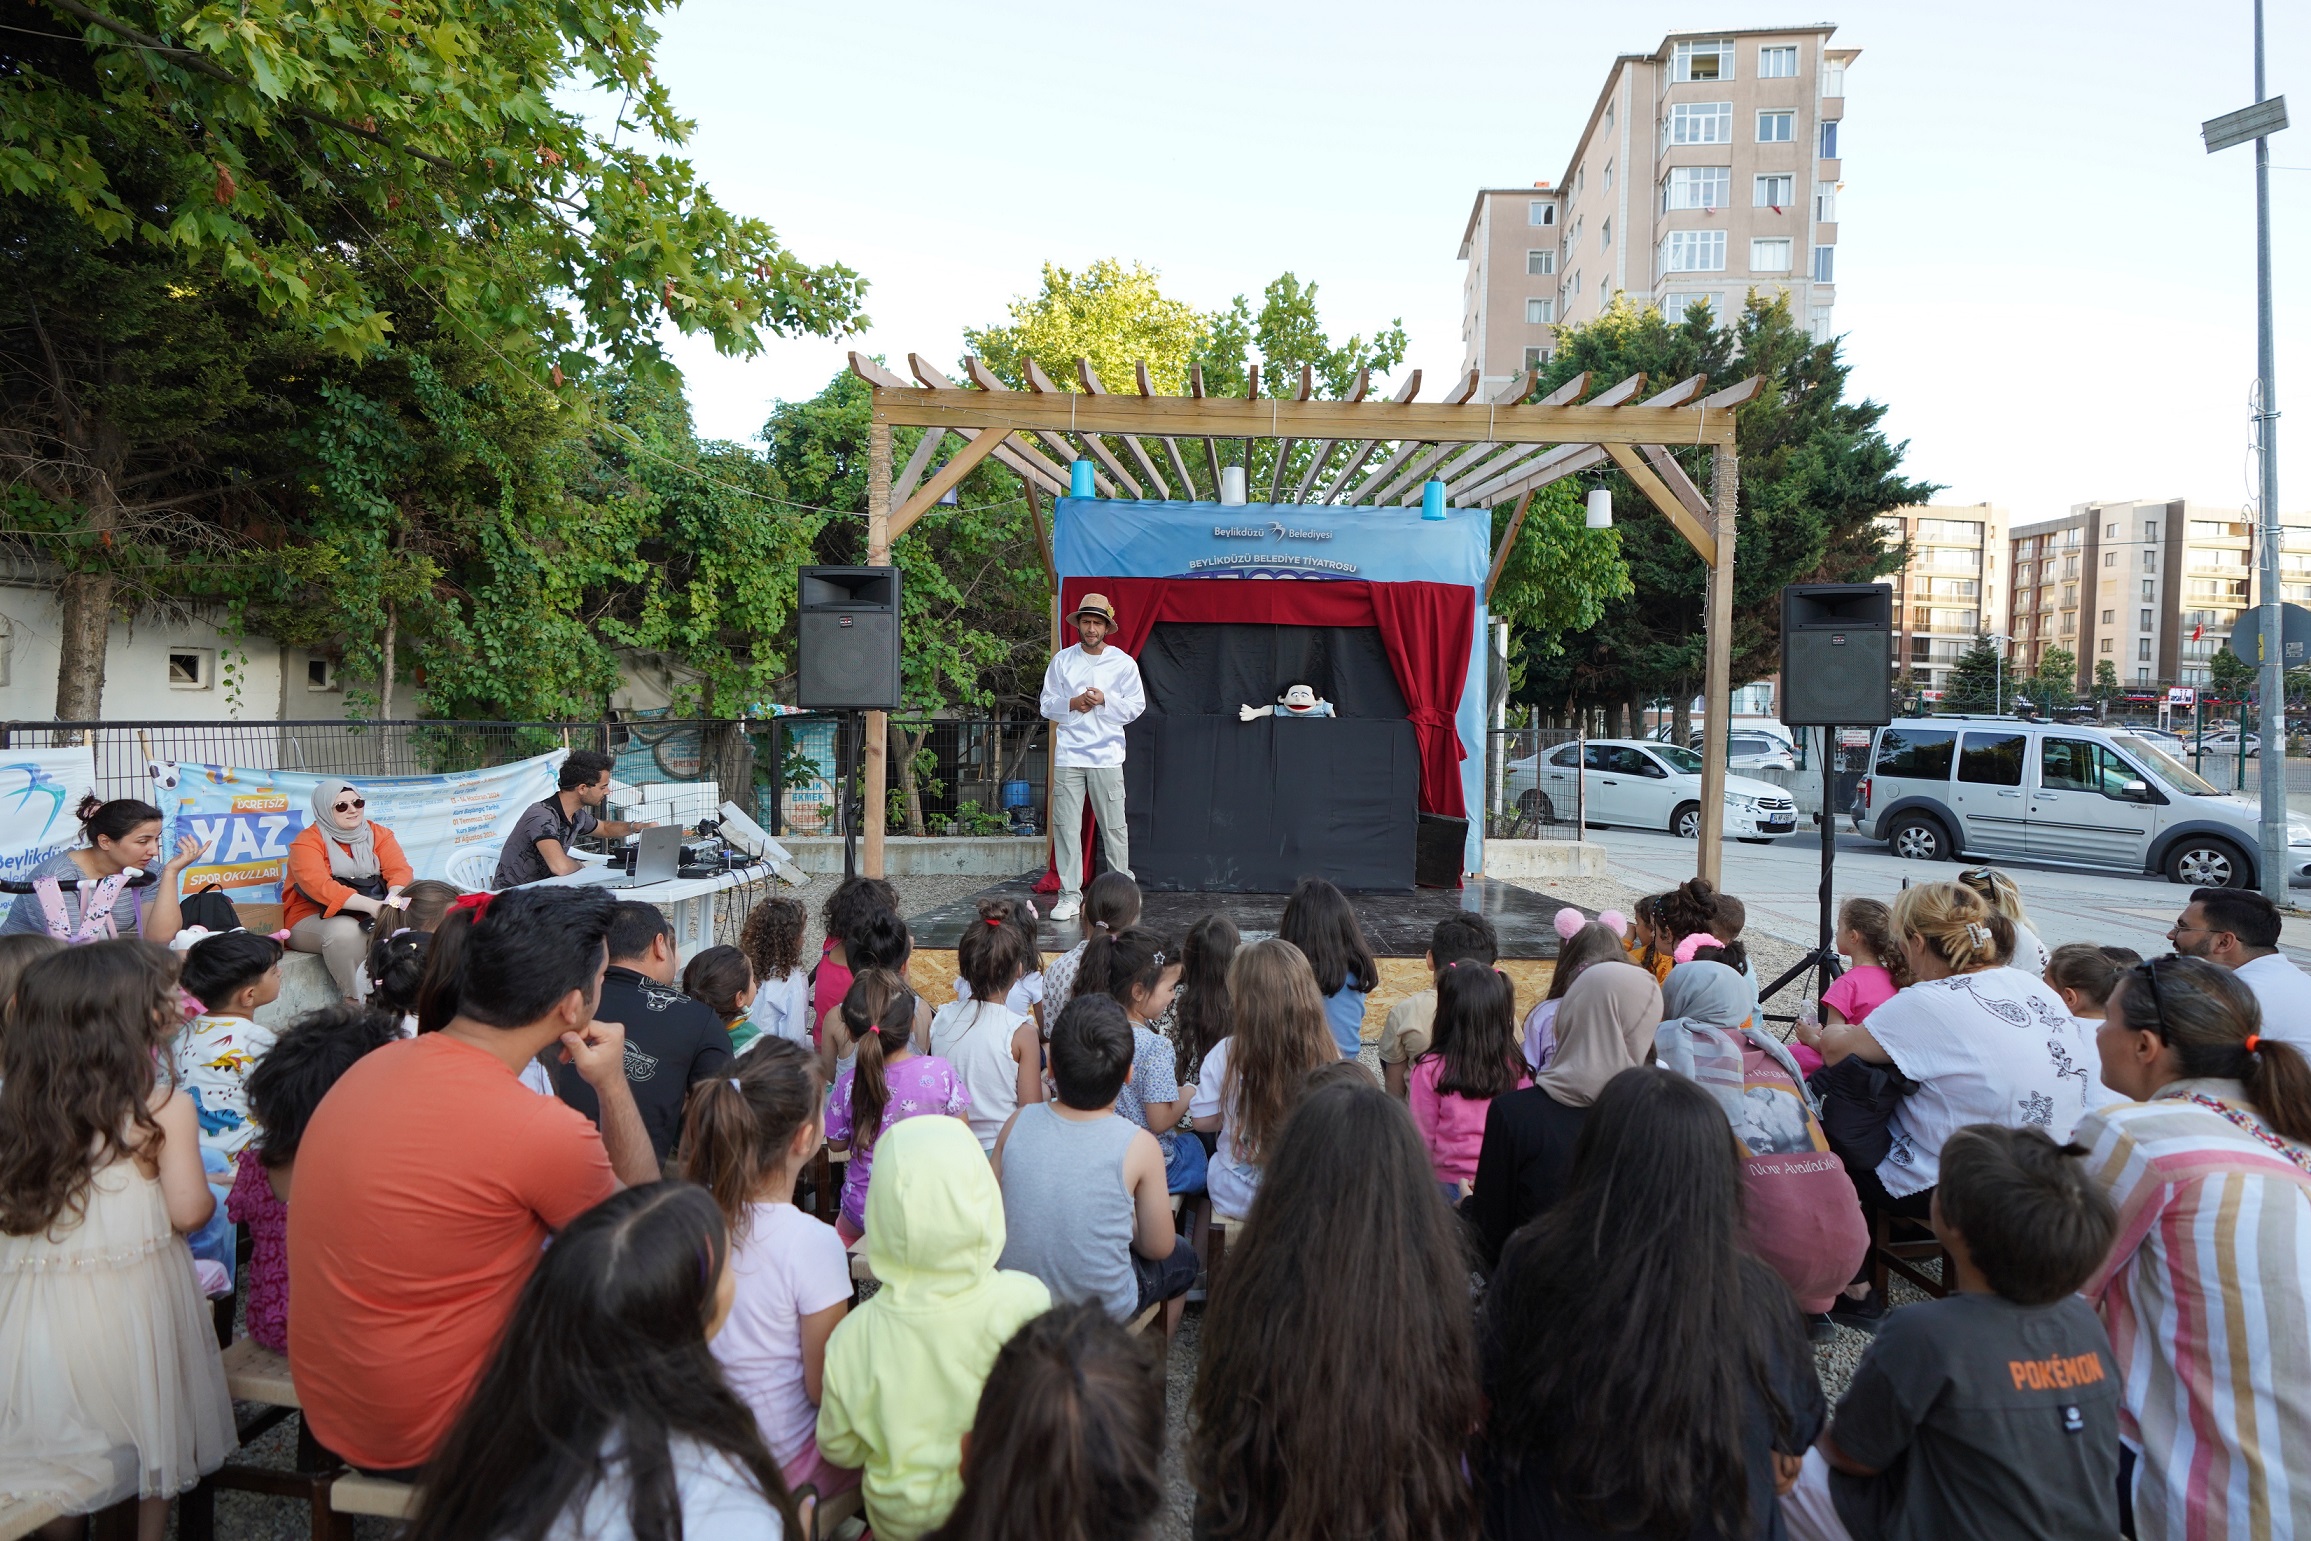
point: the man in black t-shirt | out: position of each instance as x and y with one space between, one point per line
1993 1411
672 1041
539 847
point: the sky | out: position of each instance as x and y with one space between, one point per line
2042 274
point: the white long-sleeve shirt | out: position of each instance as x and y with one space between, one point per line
1094 737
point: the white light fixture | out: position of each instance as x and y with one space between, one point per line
1232 485
1600 508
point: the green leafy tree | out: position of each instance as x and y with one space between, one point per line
1979 681
2231 677
2105 680
1114 315
1560 575
1816 471
2055 685
322 180
1287 333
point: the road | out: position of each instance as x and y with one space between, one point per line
1779 884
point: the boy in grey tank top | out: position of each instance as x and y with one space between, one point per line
1085 1204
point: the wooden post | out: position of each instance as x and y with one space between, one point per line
1717 689
877 734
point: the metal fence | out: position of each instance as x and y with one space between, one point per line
966 776
1521 801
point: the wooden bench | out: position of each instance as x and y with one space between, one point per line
1897 1246
257 1375
383 1497
22 1516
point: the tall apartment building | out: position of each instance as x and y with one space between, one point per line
1948 594
1708 168
2153 588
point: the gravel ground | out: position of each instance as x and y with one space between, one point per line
249 1517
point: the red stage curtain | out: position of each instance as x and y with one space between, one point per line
1426 627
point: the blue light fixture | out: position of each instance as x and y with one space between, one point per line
1079 483
1432 500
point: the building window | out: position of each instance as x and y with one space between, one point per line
1608 176
1830 140
1536 357
1777 63
2110 617
1775 193
1605 235
2106 645
1573 287
2142 676
320 673
1541 263
1834 77
2069 622
1702 59
1608 116
1825 202
1698 187
1540 312
1825 264
1818 323
190 668
1702 123
1580 181
1694 251
2110 559
2142 650
2150 531
2150 562
1769 256
2110 532
2146 621
1776 127
1542 211
2150 589
1674 306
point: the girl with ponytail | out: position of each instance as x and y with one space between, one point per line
983 1033
1140 971
887 1082
2209 1167
745 1139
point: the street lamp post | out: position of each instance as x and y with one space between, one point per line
2258 122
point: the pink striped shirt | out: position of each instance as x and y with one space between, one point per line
2204 1296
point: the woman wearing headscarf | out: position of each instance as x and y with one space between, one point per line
1604 1026
341 870
1800 1215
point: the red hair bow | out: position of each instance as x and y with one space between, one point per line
476 904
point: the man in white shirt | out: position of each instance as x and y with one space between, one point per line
2239 929
1090 691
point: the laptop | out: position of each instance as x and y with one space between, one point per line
657 857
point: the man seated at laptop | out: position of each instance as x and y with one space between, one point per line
539 847
672 1041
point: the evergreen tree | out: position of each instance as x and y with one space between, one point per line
1975 681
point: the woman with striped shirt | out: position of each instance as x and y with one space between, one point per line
2204 1293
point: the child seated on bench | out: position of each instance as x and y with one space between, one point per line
1085 1207
228 976
746 1138
1069 1439
934 1232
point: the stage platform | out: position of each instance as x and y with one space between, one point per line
1396 924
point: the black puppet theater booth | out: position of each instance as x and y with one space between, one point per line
1377 611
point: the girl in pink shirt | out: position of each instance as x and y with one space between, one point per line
1866 935
1473 1057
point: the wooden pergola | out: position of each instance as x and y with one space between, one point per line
1367 453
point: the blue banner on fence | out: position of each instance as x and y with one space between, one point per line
450 827
39 789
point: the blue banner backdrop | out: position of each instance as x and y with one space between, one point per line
1100 537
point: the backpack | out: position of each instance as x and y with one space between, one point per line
210 910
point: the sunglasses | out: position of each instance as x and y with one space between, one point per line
2149 970
358 802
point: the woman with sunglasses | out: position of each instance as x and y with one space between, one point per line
2209 1165
342 870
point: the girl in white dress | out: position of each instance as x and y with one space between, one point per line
110 1383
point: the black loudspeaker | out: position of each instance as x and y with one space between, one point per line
1837 655
1440 845
847 654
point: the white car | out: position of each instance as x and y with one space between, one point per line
1749 749
1644 785
2227 742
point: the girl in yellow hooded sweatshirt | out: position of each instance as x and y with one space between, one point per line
904 1370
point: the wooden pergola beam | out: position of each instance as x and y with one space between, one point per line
1697 534
990 384
1284 448
1171 445
1092 387
1410 445
1016 453
1211 449
1404 393
1043 385
1412 423
946 477
1324 451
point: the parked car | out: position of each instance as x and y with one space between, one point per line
1991 787
2227 742
2158 738
1644 785
1749 749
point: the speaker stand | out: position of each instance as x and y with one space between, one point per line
853 803
1824 957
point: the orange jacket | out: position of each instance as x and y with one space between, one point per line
312 891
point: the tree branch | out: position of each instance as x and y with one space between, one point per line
200 65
